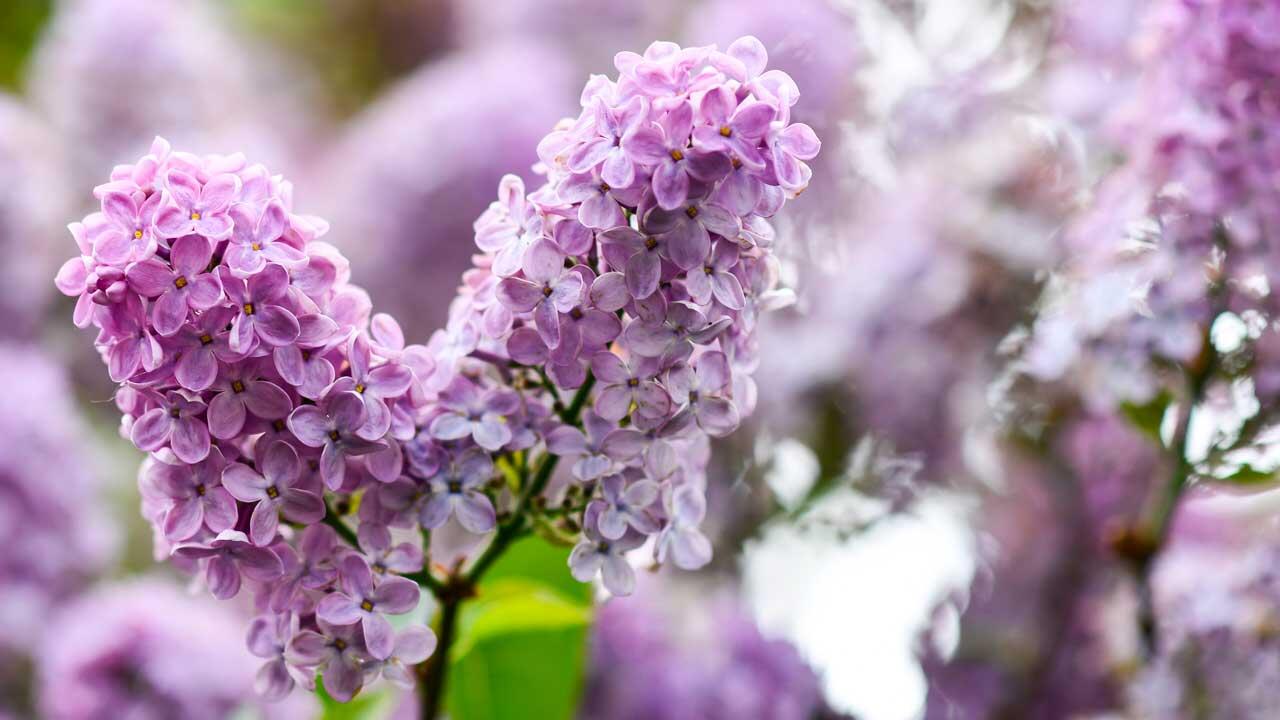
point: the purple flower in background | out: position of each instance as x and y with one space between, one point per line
273 489
197 208
362 602
677 651
227 557
268 639
334 425
146 648
310 567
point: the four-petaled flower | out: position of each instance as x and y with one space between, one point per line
547 289
195 208
361 601
256 242
456 490
174 420
274 488
261 314
334 424
228 556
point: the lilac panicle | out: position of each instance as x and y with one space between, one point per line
301 401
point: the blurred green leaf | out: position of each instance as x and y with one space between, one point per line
534 559
520 654
1149 416
20 24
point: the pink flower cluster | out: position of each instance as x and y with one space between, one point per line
609 322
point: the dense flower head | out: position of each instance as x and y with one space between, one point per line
609 321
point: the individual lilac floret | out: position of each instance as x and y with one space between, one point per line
229 556
128 233
244 390
682 540
337 651
258 241
274 491
549 290
625 505
480 415
362 602
195 208
456 491
598 451
268 639
173 421
596 555
198 496
413 645
261 315
334 425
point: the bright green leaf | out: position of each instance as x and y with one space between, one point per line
534 559
1149 416
520 654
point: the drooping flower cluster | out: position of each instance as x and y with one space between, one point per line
609 323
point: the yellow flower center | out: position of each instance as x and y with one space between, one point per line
256 246
237 386
137 234
691 211
206 339
248 308
180 282
195 216
360 388
726 131
677 155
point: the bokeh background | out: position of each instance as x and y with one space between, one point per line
905 531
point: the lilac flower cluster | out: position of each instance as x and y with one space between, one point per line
609 322
628 285
253 373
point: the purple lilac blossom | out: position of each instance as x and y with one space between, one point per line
671 653
417 432
33 206
183 68
1176 233
145 648
54 533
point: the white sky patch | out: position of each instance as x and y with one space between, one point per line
855 609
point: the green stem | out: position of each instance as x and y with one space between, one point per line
333 520
460 586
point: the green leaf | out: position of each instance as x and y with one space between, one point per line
1150 415
20 26
534 559
365 706
520 653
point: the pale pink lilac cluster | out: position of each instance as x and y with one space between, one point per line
609 322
